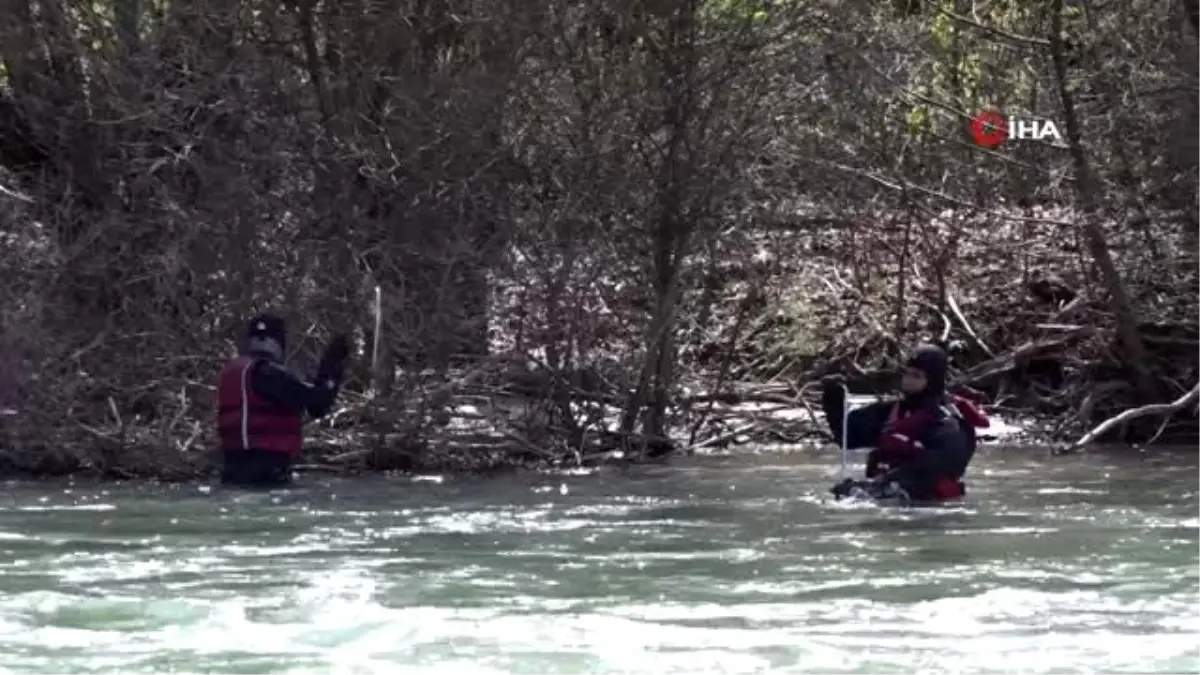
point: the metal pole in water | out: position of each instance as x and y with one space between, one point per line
845 426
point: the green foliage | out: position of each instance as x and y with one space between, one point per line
969 68
919 121
749 21
736 12
534 179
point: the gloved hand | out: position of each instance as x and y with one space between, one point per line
842 489
900 445
333 363
338 350
833 380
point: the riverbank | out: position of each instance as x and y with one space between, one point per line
466 438
497 435
1040 345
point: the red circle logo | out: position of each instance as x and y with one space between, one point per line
989 129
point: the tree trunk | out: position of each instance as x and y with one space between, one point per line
1087 194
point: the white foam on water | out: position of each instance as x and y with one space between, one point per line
674 573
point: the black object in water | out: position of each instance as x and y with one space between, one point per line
869 490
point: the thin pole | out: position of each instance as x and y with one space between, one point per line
845 426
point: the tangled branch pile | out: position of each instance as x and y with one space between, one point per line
559 229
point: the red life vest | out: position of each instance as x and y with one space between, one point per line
246 420
897 440
968 408
948 487
899 444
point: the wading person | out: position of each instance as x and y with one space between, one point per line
923 441
262 407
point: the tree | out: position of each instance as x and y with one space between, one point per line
611 209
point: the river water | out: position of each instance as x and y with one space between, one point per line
719 564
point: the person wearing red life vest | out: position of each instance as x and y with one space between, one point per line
262 406
924 440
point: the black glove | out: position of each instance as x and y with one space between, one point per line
338 350
834 380
333 363
832 388
842 489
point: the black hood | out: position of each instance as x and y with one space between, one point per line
931 360
266 334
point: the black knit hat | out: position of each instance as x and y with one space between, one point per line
268 326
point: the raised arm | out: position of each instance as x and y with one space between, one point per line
275 382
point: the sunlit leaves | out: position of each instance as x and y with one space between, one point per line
919 122
736 11
978 56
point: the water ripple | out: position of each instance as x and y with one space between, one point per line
731 565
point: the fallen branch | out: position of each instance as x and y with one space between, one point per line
808 409
734 398
349 456
197 431
318 468
1135 413
1006 362
962 320
947 326
724 438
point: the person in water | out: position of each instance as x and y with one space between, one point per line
924 441
261 406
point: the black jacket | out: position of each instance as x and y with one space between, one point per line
272 380
949 441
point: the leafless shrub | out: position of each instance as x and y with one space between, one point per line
579 201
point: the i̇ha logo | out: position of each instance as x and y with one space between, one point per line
990 129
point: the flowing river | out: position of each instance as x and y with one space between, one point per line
718 564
